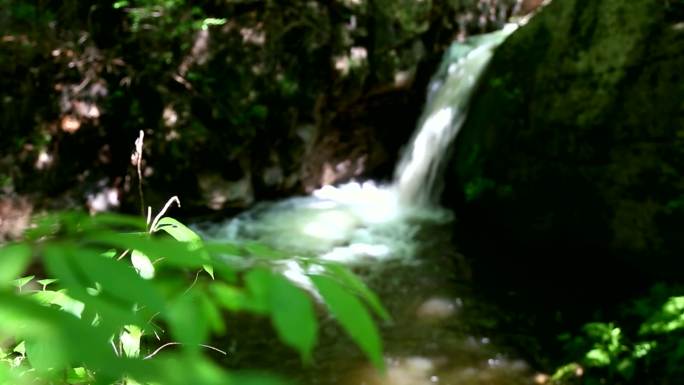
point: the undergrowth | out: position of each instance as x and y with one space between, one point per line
109 295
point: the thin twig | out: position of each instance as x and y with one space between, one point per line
138 161
149 215
154 353
123 254
214 349
193 282
116 351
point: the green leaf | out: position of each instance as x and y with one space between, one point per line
178 231
23 281
177 369
45 354
53 338
344 275
209 269
72 223
79 376
171 251
566 372
230 259
120 4
352 315
46 282
111 221
597 357
291 310
212 314
130 340
121 290
669 318
224 248
142 264
182 233
20 348
111 253
118 280
642 349
234 299
626 368
188 326
260 250
59 298
14 259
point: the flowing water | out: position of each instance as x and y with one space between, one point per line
417 177
400 243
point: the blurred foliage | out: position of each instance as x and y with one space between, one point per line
120 302
219 86
645 346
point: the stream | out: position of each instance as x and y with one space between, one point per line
400 242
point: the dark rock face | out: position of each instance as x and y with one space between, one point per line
575 141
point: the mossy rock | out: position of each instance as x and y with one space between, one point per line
575 138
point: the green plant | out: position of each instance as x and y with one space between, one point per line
651 341
145 13
112 284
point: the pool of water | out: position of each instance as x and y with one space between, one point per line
441 332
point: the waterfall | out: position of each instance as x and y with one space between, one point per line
356 221
417 178
399 242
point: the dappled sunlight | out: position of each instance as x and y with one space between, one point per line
44 160
342 170
372 203
198 55
15 217
105 199
253 35
70 124
170 116
403 78
357 57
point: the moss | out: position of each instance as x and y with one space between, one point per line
580 117
476 187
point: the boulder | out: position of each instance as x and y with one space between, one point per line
574 144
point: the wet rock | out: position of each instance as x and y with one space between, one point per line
584 152
15 216
219 193
437 308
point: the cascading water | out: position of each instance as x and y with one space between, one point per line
345 222
417 176
398 239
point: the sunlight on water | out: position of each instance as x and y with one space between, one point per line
371 203
350 223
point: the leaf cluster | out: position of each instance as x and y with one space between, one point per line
647 341
110 296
